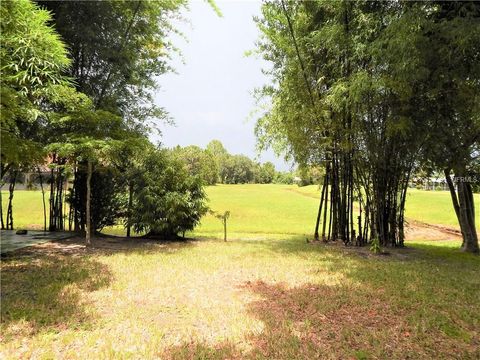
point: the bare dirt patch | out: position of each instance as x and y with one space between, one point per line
417 230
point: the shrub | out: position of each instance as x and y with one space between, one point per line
375 246
167 200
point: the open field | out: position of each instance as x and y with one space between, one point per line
259 299
431 207
262 210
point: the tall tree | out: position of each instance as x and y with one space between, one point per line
345 76
199 162
220 154
33 61
83 137
118 49
451 33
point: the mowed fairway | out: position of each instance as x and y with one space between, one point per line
435 207
261 211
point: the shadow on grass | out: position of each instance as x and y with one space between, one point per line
104 245
387 308
307 322
47 292
298 246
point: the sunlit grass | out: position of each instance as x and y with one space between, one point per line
435 207
264 299
260 211
266 293
27 208
431 207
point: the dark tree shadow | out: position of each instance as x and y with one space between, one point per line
306 322
102 245
40 293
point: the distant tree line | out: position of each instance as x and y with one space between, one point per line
215 165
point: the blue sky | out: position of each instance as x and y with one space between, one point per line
211 96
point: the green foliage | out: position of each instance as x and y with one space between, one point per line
238 169
33 59
375 246
167 200
451 99
265 173
220 155
259 210
33 55
118 49
372 88
283 178
223 217
199 163
108 197
216 148
81 133
310 175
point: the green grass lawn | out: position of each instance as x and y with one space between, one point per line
258 211
435 207
27 208
431 207
252 299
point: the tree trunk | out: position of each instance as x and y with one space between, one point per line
319 214
465 210
3 170
225 229
88 220
51 226
129 210
453 195
467 217
1 211
43 200
11 190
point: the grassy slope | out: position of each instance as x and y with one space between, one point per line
432 207
261 299
259 210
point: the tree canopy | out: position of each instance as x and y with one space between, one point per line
358 88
